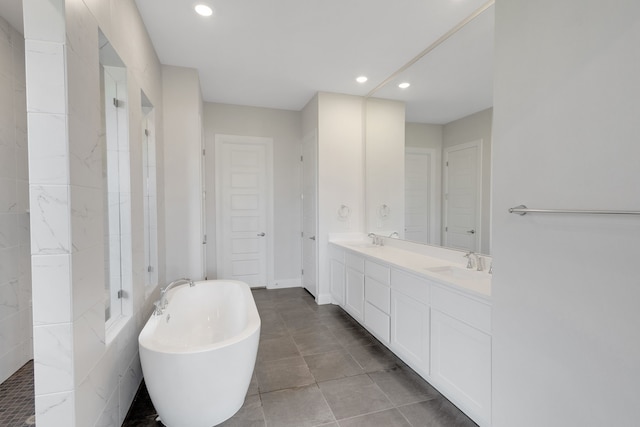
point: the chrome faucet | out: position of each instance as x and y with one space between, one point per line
375 239
478 260
161 304
395 233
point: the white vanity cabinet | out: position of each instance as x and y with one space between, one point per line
354 286
337 275
377 306
410 319
440 329
461 351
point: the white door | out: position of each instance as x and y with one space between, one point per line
418 212
243 204
309 213
462 196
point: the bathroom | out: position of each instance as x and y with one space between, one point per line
564 288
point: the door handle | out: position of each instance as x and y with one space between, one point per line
471 231
312 238
261 234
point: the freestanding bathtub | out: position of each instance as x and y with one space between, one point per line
198 355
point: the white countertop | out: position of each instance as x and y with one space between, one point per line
477 283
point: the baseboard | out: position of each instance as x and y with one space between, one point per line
286 283
324 299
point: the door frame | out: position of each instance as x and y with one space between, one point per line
445 203
313 136
220 140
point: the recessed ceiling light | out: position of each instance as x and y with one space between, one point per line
362 79
404 85
204 10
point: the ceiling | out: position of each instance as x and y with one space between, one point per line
279 53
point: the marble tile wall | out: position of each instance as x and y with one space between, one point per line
16 333
85 375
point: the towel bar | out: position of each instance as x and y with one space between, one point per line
523 210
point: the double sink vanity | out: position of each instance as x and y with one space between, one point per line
427 307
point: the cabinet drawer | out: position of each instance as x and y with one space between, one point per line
410 285
377 294
377 271
461 307
377 322
354 261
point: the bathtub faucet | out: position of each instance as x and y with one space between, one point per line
162 303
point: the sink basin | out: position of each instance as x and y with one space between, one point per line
364 245
456 272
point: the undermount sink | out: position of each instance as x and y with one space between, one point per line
364 245
457 272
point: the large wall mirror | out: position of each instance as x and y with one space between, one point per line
432 183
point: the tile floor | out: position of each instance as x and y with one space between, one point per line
17 402
316 366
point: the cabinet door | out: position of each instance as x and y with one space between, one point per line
337 282
410 331
377 322
355 294
461 365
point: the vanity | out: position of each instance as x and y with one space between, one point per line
426 307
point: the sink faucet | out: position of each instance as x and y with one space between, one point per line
478 261
375 239
395 233
161 304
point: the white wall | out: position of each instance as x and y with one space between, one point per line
384 164
566 319
285 127
16 331
472 128
340 173
423 135
84 375
183 175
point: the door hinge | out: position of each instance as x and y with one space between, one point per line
146 132
302 234
302 272
122 294
149 269
447 164
204 239
116 102
204 151
446 229
302 158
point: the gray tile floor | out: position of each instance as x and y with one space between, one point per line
316 366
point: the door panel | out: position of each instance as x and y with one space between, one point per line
462 197
243 198
417 197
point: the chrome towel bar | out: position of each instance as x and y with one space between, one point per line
523 210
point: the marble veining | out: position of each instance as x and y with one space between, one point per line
50 219
53 360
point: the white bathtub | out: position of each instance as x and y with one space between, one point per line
198 356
